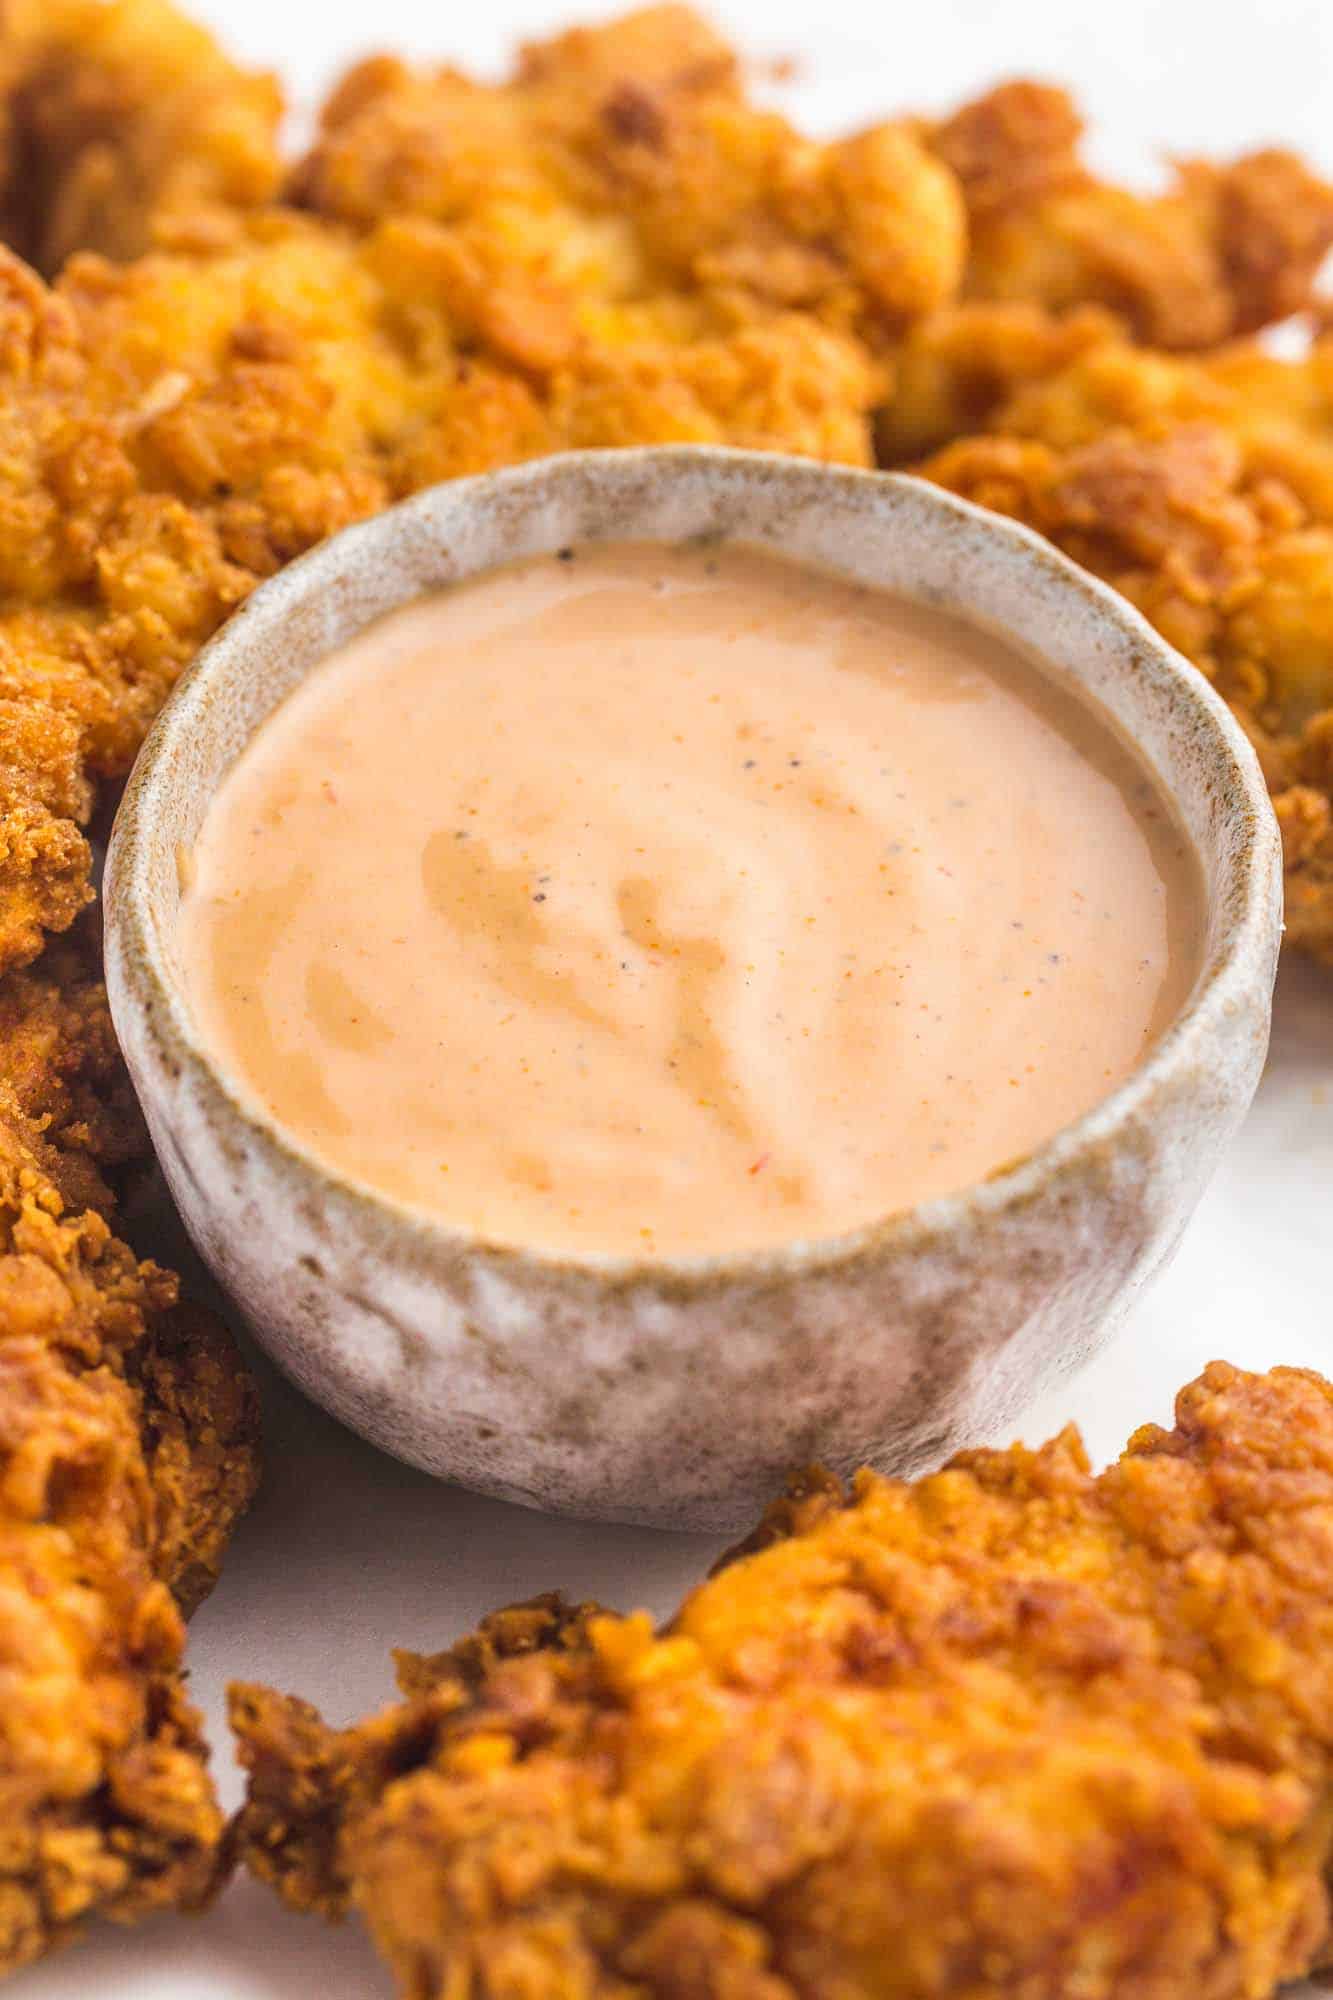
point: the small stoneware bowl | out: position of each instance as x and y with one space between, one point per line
683 1391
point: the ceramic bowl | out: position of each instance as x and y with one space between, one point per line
682 1391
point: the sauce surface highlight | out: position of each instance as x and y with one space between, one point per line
682 901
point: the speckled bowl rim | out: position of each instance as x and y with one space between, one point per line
1244 892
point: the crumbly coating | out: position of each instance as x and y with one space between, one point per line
1012 1729
1202 488
67 1090
1222 250
612 248
127 1448
622 187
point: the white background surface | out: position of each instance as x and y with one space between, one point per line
348 1553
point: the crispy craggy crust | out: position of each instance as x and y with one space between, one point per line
127 1435
1200 485
308 1783
70 1097
121 119
955 370
127 1426
621 188
1224 250
615 247
643 125
1013 1729
1203 490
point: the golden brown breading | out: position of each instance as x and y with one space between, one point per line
1202 488
622 189
614 248
1225 250
126 1452
45 794
173 431
1010 1730
120 118
956 369
179 431
127 1426
62 1081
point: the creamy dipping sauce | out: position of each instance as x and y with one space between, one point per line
653 901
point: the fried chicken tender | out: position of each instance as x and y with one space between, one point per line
127 1425
174 430
126 1453
612 249
1202 488
177 432
955 370
64 1089
120 119
1012 1729
621 189
1223 251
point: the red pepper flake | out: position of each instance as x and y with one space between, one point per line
757 1166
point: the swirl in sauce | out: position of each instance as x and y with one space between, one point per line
674 901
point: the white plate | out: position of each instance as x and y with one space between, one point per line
348 1553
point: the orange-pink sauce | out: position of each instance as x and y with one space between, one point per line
671 901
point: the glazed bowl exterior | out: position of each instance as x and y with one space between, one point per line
683 1391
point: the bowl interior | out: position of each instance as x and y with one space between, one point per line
890 531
